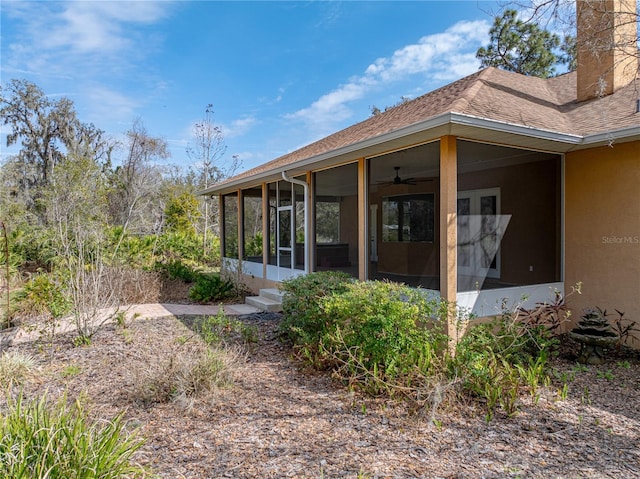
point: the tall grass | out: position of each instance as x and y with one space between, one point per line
39 441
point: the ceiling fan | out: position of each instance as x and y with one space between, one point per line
399 181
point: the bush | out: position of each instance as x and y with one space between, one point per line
180 245
43 295
209 287
387 331
176 269
303 321
38 441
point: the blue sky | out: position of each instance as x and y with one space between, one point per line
279 74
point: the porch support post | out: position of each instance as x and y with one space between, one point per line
310 218
221 220
449 231
363 241
240 226
265 229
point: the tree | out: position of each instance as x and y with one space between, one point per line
206 151
560 15
523 47
135 184
48 132
181 213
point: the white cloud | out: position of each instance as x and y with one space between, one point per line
108 104
54 38
439 57
239 127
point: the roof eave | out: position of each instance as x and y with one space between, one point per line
461 125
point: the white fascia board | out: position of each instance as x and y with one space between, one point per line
629 133
514 129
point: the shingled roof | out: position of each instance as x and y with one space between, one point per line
490 94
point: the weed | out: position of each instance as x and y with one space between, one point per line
82 340
15 368
608 375
563 392
71 370
624 364
121 319
580 368
190 371
223 328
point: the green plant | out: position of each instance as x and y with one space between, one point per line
42 441
303 321
120 319
15 368
387 329
177 269
43 295
223 328
210 287
563 392
495 360
82 340
608 375
71 370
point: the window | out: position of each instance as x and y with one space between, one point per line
408 218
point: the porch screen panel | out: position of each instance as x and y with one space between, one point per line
272 193
404 217
230 226
252 227
336 219
509 217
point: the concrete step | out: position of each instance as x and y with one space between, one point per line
265 304
272 293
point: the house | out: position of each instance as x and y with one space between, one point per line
496 187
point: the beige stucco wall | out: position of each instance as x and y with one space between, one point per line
602 228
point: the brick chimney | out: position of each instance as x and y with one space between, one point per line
607 46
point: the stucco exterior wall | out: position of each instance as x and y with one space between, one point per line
602 228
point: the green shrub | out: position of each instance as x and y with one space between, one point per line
176 269
303 320
210 287
43 294
39 441
185 246
135 250
384 329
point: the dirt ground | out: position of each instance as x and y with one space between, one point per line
278 420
